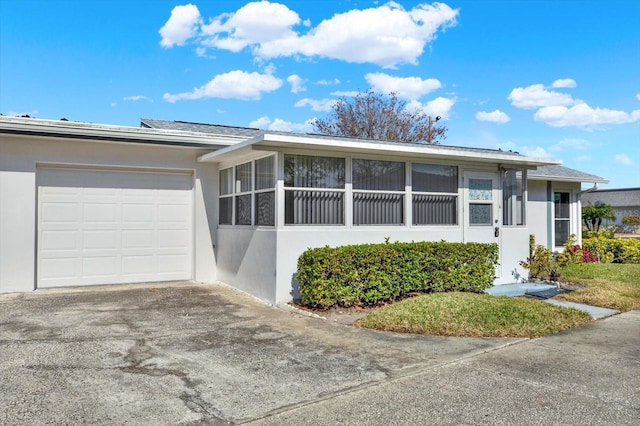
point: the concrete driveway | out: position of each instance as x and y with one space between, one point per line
206 354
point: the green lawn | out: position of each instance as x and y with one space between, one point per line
609 285
472 314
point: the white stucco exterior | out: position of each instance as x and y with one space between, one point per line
260 260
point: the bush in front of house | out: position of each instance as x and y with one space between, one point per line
540 263
619 250
367 274
574 254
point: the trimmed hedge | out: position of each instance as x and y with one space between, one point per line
619 250
367 274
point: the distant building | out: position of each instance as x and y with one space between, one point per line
625 202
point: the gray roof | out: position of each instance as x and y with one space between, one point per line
623 197
249 132
563 174
186 126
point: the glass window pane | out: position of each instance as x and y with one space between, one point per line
373 208
562 232
313 172
226 181
512 197
378 175
313 207
265 175
434 178
225 211
265 208
435 209
480 214
480 189
561 202
243 210
243 177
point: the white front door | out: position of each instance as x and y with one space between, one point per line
482 209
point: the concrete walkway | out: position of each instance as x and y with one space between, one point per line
521 289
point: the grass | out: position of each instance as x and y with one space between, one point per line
472 314
608 285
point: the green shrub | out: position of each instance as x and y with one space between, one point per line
367 274
614 250
540 262
574 254
596 234
632 219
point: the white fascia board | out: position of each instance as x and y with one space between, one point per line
401 150
567 179
110 133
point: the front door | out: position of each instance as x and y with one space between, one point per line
482 209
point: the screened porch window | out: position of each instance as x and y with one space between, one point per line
314 190
247 193
434 194
513 205
378 192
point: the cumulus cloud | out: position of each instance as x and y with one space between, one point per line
624 159
232 85
345 93
564 83
561 110
496 116
535 151
405 87
297 83
386 35
182 25
136 98
582 115
638 96
282 125
439 106
536 96
323 105
572 144
334 81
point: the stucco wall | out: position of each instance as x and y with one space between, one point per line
18 202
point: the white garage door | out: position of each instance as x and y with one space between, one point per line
113 227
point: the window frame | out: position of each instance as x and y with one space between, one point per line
455 195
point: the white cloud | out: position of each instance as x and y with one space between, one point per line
624 159
136 98
572 144
282 125
536 96
297 83
638 96
254 23
322 105
439 106
328 82
232 85
181 26
582 115
345 93
496 116
583 158
564 83
405 87
386 35
535 151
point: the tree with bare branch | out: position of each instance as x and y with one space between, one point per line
373 115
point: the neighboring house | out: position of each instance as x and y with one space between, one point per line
555 195
624 201
86 204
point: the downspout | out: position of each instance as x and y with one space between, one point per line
549 215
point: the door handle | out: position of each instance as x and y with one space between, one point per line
496 231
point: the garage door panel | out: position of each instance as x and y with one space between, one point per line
104 227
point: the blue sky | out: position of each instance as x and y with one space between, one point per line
557 79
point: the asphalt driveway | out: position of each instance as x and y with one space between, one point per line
206 354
